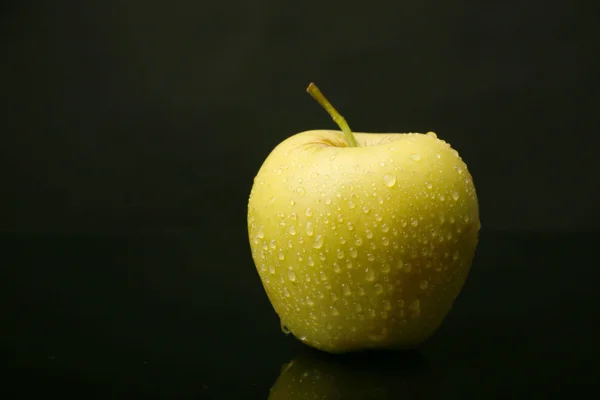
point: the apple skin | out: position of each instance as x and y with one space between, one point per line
363 247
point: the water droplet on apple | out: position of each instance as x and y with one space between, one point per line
371 313
292 202
350 226
415 157
308 212
385 228
432 134
293 216
271 268
371 257
285 329
385 241
285 292
387 306
292 230
442 197
260 234
291 275
353 252
403 223
365 209
336 268
369 275
340 253
389 180
415 307
281 256
378 289
311 262
358 307
300 191
414 221
378 217
346 290
437 155
358 241
322 256
309 229
424 284
334 312
428 185
400 264
318 243
328 201
309 301
466 218
452 220
455 255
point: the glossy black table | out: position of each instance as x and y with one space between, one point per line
179 313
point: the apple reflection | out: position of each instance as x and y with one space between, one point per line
377 375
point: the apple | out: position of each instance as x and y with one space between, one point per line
362 240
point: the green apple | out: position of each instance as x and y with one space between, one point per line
362 240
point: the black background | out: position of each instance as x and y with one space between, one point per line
131 131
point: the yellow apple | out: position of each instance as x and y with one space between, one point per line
362 240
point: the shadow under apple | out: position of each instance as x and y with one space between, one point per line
367 375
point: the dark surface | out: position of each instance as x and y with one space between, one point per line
152 313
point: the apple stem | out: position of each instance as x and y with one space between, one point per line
316 94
